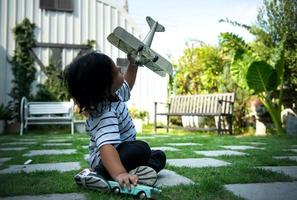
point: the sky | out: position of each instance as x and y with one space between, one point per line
192 21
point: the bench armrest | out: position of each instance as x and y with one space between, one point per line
156 102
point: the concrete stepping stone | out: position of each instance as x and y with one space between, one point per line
167 178
240 147
26 140
66 196
145 137
286 157
57 144
87 157
294 146
287 170
221 153
165 148
19 143
197 162
183 144
254 143
162 136
294 150
3 160
13 149
61 167
56 140
50 152
265 191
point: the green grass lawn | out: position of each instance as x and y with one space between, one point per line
208 181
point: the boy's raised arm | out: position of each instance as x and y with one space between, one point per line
131 73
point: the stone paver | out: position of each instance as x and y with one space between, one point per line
57 140
19 143
167 178
26 140
57 144
66 196
287 170
183 144
294 150
50 152
196 162
240 147
254 143
145 137
265 191
3 160
87 157
13 149
162 136
294 146
61 167
221 153
286 157
165 148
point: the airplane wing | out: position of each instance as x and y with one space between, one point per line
124 40
161 66
127 43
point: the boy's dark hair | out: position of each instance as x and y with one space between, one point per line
88 79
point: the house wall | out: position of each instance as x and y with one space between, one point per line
90 20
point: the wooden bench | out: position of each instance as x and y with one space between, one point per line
219 106
46 113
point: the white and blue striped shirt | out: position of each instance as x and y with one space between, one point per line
112 125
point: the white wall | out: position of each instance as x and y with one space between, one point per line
91 19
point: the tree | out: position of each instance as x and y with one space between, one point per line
198 70
276 25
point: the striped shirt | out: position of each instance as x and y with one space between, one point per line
112 125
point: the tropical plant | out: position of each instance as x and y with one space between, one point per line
53 89
22 64
257 76
5 112
267 81
138 114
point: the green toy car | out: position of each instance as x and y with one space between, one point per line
140 191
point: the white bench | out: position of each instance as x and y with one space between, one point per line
219 106
46 113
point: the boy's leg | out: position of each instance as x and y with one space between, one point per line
157 160
132 154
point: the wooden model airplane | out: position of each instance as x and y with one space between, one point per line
144 54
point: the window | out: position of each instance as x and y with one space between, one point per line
56 5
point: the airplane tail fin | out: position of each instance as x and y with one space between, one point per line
151 23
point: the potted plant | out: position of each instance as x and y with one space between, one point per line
79 121
138 117
5 114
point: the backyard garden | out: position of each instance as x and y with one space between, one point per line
257 161
199 165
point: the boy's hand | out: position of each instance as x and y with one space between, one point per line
125 180
132 58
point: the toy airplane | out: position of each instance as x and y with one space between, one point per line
145 55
